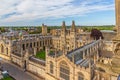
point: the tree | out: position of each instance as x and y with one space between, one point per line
96 34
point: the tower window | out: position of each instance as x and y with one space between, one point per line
51 67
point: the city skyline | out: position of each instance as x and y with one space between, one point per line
36 12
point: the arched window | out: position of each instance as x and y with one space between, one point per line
23 46
37 44
31 45
40 43
2 49
80 76
64 71
51 67
6 50
34 44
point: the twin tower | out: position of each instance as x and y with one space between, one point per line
45 30
68 37
72 27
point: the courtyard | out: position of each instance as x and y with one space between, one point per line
40 55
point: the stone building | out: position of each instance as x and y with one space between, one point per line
110 66
72 51
69 37
44 29
70 54
78 64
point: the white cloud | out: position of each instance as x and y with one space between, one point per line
39 9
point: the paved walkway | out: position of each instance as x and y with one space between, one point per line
17 72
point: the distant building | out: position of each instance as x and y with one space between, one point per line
44 29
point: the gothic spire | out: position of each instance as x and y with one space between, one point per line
63 25
73 26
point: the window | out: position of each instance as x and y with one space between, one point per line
31 45
23 46
2 49
51 67
64 71
37 44
80 76
40 43
6 50
34 44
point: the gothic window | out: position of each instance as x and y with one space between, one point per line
37 44
40 43
80 76
31 45
2 49
64 71
34 44
6 50
51 67
23 46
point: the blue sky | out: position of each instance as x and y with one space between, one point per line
53 12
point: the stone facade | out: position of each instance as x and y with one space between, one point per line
5 48
78 64
44 29
72 49
74 55
111 66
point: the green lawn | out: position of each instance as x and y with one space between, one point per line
40 55
7 78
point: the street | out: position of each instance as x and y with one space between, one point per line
16 72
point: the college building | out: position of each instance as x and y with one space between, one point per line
70 53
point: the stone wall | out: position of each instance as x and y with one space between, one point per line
33 65
16 60
36 67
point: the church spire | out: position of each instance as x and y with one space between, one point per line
63 26
73 26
